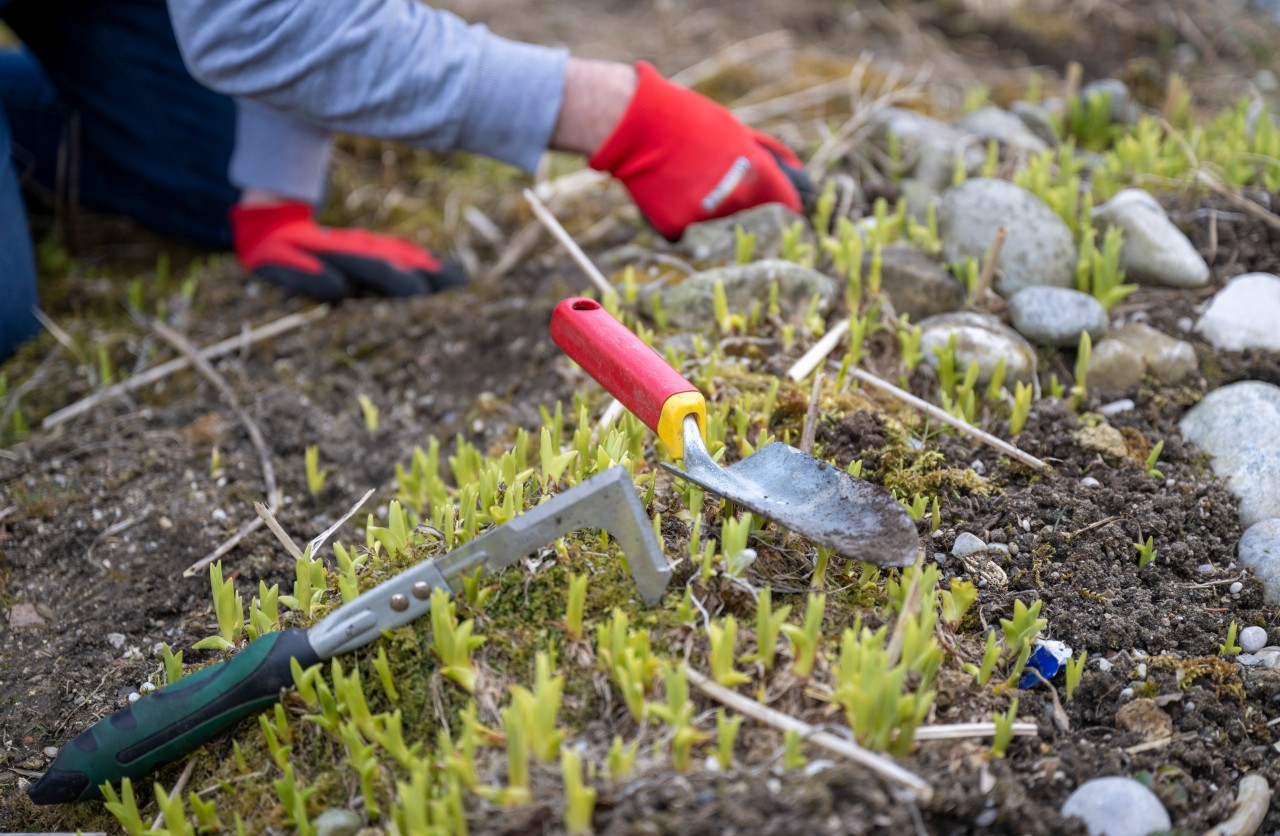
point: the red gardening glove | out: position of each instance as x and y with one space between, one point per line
281 243
686 159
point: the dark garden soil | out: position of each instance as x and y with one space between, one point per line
99 518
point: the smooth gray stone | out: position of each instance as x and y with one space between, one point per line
1057 315
916 284
1123 108
712 241
1038 120
1004 127
1259 550
1244 314
1169 360
978 337
1039 249
1114 366
1117 806
1236 425
1155 251
919 196
929 146
691 303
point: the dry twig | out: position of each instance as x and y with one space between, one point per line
881 765
962 731
543 214
219 349
989 266
810 431
219 382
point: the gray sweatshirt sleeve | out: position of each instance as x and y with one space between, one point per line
279 153
395 69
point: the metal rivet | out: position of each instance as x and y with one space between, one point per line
422 590
399 602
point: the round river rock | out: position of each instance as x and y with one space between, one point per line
1056 315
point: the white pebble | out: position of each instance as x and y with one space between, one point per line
1253 639
1117 806
1236 587
146 688
1090 482
967 543
1116 407
1142 671
978 467
51 751
1105 665
116 640
134 696
1126 693
219 515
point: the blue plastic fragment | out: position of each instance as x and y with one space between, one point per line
1048 658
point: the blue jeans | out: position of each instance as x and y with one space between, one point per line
101 83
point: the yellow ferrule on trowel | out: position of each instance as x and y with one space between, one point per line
671 421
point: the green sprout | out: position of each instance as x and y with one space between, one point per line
228 606
1020 633
1075 670
453 642
626 655
768 626
871 686
1079 391
805 639
957 600
370 412
577 601
918 507
726 734
517 792
677 712
264 611
124 807
825 208
172 664
792 753
1021 407
1146 551
309 582
621 758
794 247
744 245
723 638
579 799
315 476
541 706
1153 458
294 800
1229 647
1004 729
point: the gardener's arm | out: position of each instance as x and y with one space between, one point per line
398 69
395 69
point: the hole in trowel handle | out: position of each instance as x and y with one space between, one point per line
585 305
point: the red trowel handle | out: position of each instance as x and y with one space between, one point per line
632 372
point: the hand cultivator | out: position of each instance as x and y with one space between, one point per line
173 721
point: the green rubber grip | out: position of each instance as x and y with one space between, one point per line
166 725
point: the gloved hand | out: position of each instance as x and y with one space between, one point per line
281 243
686 159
